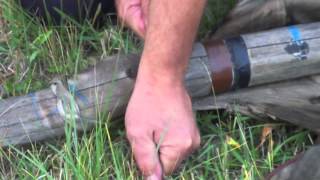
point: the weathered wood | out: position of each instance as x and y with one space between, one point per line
303 166
264 57
253 16
104 88
272 60
107 86
297 102
35 117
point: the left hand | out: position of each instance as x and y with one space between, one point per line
134 13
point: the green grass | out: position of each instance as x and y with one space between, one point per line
229 142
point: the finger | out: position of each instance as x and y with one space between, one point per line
135 20
132 16
145 154
171 157
158 174
145 10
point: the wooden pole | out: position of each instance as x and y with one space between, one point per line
296 102
265 57
107 86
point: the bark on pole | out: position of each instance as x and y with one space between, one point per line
269 57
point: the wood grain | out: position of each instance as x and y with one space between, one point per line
296 102
270 61
105 87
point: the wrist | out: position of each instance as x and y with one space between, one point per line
159 79
161 71
158 84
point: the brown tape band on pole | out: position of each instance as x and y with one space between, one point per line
221 65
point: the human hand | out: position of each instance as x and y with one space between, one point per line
160 127
133 13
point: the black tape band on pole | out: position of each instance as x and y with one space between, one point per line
241 62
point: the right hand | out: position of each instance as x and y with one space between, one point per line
160 116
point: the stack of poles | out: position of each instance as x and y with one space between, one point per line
215 67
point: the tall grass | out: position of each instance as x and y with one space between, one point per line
229 142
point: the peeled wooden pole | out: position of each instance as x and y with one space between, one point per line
227 65
265 57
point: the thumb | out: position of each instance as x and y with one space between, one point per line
146 156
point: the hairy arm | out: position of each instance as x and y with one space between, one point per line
159 120
172 26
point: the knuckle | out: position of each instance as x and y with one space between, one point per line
145 167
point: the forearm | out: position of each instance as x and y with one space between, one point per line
172 26
159 102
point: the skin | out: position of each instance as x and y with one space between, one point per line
159 121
